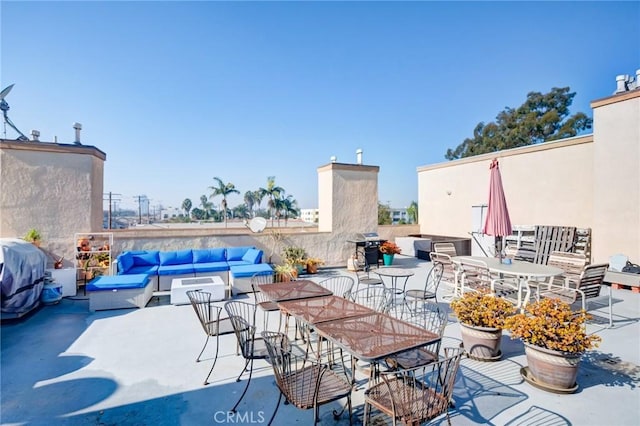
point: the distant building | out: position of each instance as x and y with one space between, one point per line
309 215
170 212
398 215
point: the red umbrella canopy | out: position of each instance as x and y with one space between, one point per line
497 223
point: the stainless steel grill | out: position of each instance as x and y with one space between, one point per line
370 242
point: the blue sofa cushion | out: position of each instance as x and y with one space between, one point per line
244 271
149 258
144 269
125 262
209 255
118 282
253 256
210 267
236 253
187 268
179 257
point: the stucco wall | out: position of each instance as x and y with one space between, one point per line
616 168
54 188
589 181
348 198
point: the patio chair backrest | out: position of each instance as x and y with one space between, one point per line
242 316
431 318
592 278
340 286
474 275
377 298
208 314
448 272
446 248
415 395
261 279
571 263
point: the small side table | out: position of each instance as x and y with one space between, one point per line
67 278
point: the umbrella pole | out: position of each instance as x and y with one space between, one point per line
498 246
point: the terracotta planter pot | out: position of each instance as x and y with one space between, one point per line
312 268
481 343
554 368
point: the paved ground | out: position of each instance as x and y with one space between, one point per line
66 365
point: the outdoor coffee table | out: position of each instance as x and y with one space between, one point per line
180 286
292 290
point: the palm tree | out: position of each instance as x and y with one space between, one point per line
186 206
412 212
206 206
289 206
223 189
273 193
250 200
257 195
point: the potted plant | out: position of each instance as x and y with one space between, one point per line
482 317
389 249
33 236
285 271
312 264
554 337
294 256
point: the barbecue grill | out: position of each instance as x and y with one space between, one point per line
370 243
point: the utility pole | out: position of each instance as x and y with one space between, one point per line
112 198
140 199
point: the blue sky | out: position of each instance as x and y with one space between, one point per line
176 93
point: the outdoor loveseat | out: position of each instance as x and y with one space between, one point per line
234 265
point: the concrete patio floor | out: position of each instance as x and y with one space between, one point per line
66 365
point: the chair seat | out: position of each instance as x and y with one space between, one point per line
259 349
370 281
420 294
332 386
223 326
416 411
412 358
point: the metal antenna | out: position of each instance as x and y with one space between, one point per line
4 106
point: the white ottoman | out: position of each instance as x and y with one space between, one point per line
180 286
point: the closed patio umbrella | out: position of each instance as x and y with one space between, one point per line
497 223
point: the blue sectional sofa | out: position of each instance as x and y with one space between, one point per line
164 266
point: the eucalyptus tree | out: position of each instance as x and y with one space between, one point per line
272 192
186 206
223 189
541 118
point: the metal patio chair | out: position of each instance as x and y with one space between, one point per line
242 316
416 395
305 383
429 292
340 286
210 320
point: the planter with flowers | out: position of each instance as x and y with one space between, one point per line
312 264
389 249
555 337
482 317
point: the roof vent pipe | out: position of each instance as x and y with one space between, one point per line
334 158
621 83
35 135
359 156
78 127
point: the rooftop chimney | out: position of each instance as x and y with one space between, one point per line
35 135
78 127
359 156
